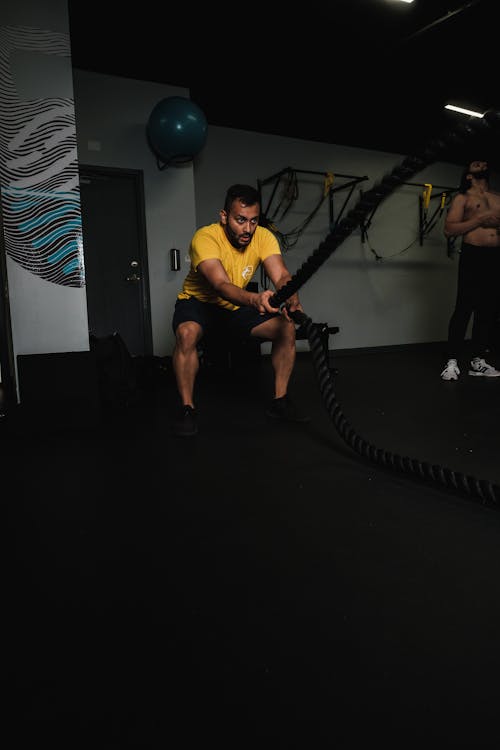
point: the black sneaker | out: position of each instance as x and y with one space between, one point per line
285 410
185 423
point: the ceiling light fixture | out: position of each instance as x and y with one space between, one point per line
463 111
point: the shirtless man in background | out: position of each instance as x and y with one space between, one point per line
474 214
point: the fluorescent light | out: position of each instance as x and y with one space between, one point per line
464 111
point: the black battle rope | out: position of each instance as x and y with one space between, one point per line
480 490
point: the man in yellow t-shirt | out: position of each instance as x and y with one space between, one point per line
224 257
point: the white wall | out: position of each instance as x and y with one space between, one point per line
403 299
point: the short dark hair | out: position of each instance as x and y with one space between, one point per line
247 194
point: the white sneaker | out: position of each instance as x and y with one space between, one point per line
479 367
451 371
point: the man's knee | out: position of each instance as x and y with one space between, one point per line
188 334
278 329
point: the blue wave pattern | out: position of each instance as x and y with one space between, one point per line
40 189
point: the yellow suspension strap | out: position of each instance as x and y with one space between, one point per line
427 195
328 183
436 216
423 208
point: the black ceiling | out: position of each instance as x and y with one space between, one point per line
374 74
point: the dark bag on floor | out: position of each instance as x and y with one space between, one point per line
116 370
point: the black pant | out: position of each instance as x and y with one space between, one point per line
478 289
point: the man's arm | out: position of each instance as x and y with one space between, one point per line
455 224
216 275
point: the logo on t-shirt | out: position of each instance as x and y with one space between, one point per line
247 272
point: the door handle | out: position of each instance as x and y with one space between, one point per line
134 278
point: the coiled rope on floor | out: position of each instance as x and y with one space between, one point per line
481 490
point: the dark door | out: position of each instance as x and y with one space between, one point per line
115 255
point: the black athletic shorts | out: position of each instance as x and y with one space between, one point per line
236 324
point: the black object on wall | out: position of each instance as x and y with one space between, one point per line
175 259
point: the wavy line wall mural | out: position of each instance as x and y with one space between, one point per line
39 165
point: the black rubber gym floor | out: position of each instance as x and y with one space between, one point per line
260 582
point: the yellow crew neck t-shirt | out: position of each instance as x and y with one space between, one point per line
240 265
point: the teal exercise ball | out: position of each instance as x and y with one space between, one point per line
176 130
